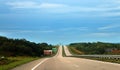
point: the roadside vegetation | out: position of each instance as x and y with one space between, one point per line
8 63
74 51
63 52
98 48
22 47
14 52
95 48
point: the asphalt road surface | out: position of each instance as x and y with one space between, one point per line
68 63
67 51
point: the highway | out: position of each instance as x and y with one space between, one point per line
67 63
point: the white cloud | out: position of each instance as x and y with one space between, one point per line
53 6
110 14
3 33
47 31
38 31
109 27
103 34
31 4
116 1
50 5
102 10
26 31
75 28
25 4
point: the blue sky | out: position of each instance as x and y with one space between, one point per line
61 21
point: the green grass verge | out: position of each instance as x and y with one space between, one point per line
74 51
63 52
16 61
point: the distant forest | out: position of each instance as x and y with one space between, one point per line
21 47
97 48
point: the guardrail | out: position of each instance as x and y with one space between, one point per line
100 56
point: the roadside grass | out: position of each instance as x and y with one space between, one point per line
63 52
74 51
15 61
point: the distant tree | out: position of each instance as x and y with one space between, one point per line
21 47
95 47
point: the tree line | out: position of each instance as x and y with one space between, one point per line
97 47
21 47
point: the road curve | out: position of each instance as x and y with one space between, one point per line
70 63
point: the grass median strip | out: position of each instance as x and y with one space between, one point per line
11 62
74 51
63 52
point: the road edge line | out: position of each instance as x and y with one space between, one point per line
39 63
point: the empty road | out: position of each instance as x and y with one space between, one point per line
68 63
67 51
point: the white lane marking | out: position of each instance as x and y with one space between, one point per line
39 64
